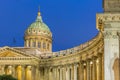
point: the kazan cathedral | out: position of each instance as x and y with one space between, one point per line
97 59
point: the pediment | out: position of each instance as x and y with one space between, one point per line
10 52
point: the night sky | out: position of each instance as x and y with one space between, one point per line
72 22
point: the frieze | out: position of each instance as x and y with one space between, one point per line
107 26
106 18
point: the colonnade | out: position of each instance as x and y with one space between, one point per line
43 44
89 69
20 72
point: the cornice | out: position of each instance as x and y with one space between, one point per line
75 57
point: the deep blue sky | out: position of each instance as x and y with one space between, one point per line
72 22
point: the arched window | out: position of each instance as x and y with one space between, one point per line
39 44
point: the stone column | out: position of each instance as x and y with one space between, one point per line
50 74
19 72
23 72
91 70
9 70
28 73
40 73
3 69
75 72
81 70
61 74
94 75
85 70
33 70
31 41
26 43
99 66
68 74
57 73
88 69
46 76
72 72
14 71
54 73
64 73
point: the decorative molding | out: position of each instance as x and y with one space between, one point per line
110 34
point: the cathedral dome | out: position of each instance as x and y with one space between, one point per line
38 35
38 28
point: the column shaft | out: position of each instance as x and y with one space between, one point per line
50 74
28 73
72 72
94 68
81 70
88 69
68 74
23 72
61 75
99 67
64 73
75 72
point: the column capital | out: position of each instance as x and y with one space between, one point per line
94 58
88 60
82 62
77 64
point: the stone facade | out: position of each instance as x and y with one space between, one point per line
97 59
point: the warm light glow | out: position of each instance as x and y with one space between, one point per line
91 62
84 64
97 61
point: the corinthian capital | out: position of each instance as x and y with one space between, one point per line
110 34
